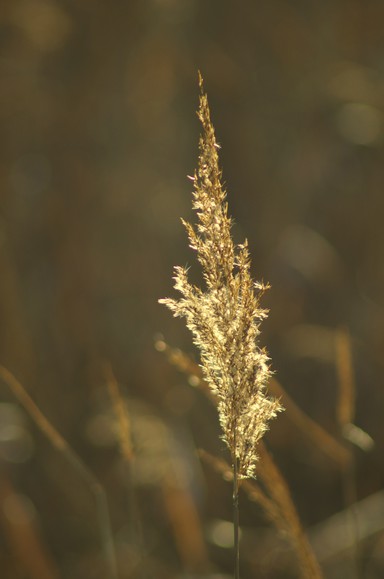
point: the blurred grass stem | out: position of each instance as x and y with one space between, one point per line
60 444
236 519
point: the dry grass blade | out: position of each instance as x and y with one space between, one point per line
278 507
60 444
124 427
22 533
279 492
313 431
346 381
345 415
185 522
250 487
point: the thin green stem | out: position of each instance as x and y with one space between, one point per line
236 519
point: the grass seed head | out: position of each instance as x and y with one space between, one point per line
225 317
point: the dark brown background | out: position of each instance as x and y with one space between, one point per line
98 133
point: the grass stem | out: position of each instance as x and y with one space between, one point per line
236 519
61 445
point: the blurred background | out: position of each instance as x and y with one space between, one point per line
98 125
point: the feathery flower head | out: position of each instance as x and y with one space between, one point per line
225 318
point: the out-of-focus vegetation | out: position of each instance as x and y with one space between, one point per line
97 104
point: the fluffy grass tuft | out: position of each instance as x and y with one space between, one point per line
225 318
